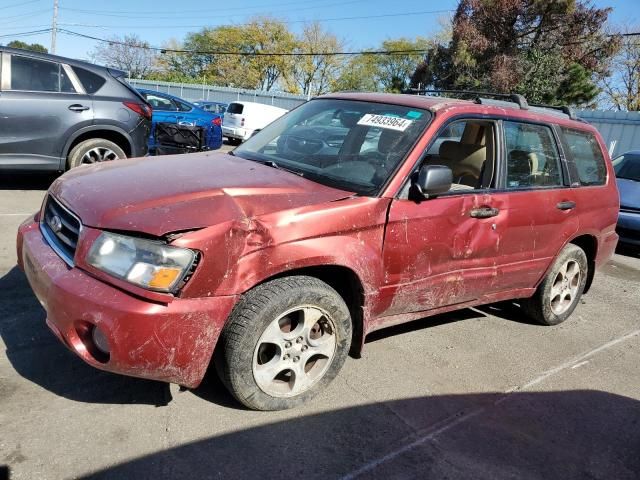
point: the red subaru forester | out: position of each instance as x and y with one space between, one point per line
349 214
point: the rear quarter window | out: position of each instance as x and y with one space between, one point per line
90 81
235 108
587 156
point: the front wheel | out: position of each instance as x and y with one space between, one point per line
559 293
285 341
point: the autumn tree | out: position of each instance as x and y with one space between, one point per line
622 89
551 51
313 72
34 47
238 55
128 53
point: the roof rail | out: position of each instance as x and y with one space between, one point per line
568 111
513 97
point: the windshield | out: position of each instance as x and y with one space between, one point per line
627 166
346 144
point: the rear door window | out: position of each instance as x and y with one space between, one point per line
235 108
587 156
533 159
30 74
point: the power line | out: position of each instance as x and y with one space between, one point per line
364 17
21 4
199 14
244 54
26 34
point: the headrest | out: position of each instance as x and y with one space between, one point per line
453 150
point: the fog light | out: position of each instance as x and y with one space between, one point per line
100 340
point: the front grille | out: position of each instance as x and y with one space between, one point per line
61 228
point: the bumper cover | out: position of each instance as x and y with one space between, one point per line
168 342
629 227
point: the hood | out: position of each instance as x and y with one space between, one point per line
159 195
629 192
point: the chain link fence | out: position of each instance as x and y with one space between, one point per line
194 92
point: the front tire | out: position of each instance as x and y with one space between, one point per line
285 341
94 150
559 293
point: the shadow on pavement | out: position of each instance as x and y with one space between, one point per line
565 434
37 355
627 250
26 181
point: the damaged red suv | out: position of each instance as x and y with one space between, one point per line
351 213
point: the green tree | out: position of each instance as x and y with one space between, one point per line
551 51
313 73
34 47
244 69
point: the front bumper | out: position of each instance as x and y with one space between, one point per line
629 227
170 342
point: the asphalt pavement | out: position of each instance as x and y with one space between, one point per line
479 393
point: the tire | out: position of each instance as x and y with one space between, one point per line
235 141
94 150
559 293
285 341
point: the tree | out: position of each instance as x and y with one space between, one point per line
34 47
622 89
313 73
244 69
388 73
551 51
394 71
128 53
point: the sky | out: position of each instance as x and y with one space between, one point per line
157 21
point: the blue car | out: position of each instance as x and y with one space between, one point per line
171 109
213 107
627 168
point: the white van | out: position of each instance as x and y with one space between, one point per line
242 119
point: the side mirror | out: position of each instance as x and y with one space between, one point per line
432 180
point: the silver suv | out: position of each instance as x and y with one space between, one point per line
57 113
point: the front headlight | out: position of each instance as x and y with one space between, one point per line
146 263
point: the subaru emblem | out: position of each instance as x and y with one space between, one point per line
55 223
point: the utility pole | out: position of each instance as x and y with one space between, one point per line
54 26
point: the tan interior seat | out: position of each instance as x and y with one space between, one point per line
465 161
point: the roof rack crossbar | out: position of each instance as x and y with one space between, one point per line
513 97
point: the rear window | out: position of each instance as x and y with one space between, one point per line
586 154
235 108
90 81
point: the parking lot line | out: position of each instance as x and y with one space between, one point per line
15 214
459 417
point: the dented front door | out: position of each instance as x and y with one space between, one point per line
442 251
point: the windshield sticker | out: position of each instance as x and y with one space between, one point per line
385 121
414 115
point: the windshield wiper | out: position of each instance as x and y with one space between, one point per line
271 163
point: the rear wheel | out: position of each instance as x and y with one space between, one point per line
95 150
560 291
285 341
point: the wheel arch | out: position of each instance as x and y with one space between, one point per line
349 286
589 244
107 132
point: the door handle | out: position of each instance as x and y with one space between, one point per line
76 107
484 212
569 205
